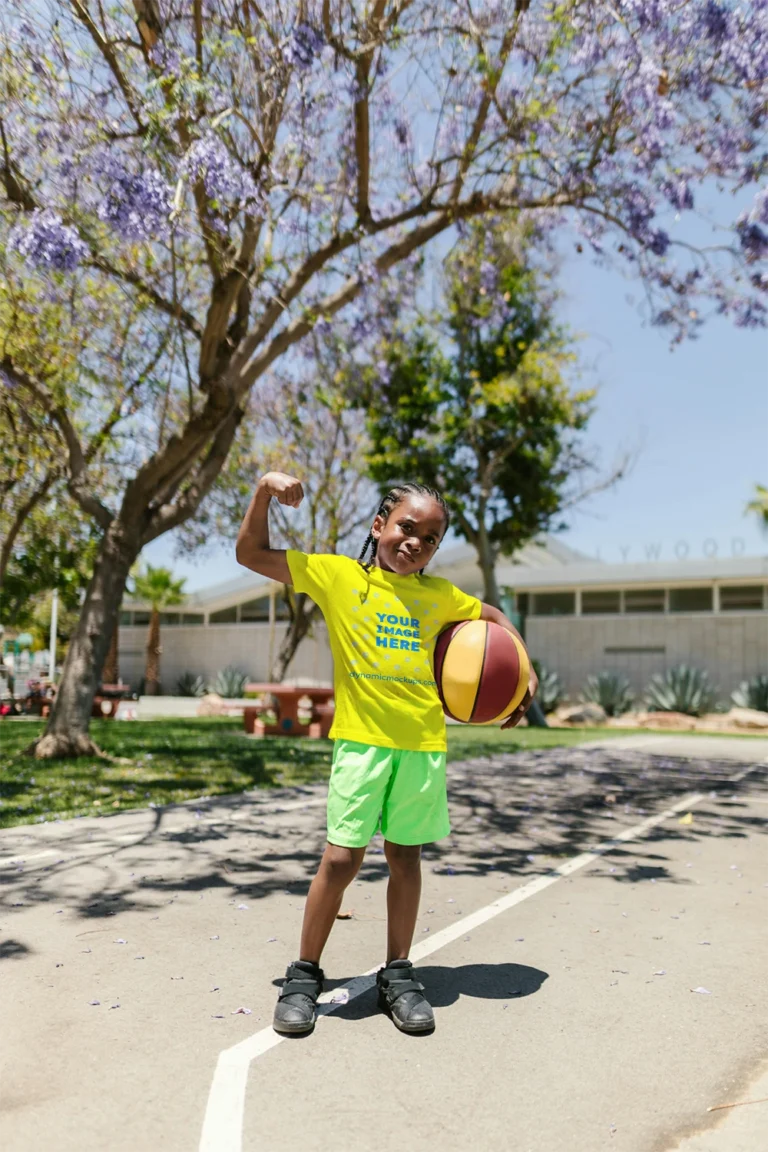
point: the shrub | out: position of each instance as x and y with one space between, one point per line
190 685
550 691
230 683
752 694
680 689
611 691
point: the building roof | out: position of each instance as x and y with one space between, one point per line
544 564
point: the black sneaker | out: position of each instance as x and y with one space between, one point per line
402 997
295 1008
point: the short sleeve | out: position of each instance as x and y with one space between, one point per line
311 573
457 605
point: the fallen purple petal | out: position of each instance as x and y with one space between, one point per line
241 1012
704 991
94 1002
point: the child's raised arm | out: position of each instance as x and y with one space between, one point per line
252 549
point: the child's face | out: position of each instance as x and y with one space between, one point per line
408 540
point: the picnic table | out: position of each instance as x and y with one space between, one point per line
284 698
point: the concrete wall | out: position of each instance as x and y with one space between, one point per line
731 647
205 649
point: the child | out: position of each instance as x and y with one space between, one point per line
389 754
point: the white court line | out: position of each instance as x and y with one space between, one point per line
223 1121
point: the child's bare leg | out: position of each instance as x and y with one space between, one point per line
337 870
403 895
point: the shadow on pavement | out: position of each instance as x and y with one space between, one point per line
513 814
444 986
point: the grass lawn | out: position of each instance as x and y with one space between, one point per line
164 761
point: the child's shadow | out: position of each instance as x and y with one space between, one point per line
444 986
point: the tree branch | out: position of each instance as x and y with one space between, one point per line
171 515
22 513
76 464
105 48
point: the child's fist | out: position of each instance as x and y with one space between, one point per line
285 489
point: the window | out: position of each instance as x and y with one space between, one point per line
225 616
600 603
690 599
141 617
126 618
644 600
192 618
167 618
255 610
554 603
741 598
521 603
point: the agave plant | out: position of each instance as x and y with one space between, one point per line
190 685
611 691
550 691
680 689
752 694
230 682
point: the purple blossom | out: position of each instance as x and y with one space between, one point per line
658 241
759 213
137 206
715 21
754 241
305 44
750 314
225 181
679 194
47 243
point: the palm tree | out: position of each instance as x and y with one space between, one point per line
760 504
156 587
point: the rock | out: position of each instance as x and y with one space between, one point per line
581 714
677 721
747 718
211 705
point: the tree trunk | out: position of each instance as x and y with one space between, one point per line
486 555
305 612
66 733
111 673
152 673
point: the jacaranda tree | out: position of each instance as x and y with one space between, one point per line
246 170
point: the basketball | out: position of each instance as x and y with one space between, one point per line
482 671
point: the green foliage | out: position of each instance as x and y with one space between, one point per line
680 689
188 684
476 400
157 587
230 683
611 691
56 550
759 504
550 692
752 693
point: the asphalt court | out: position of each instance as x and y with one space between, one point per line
567 1021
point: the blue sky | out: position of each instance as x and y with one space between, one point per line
696 417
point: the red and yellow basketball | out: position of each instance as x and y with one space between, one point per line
482 671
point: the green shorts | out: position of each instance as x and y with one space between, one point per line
403 793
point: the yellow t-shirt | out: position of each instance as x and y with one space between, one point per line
382 629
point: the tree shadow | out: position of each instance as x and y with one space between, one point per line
13 950
516 815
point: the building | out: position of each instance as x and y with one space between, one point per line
579 616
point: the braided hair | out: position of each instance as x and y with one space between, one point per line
395 496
